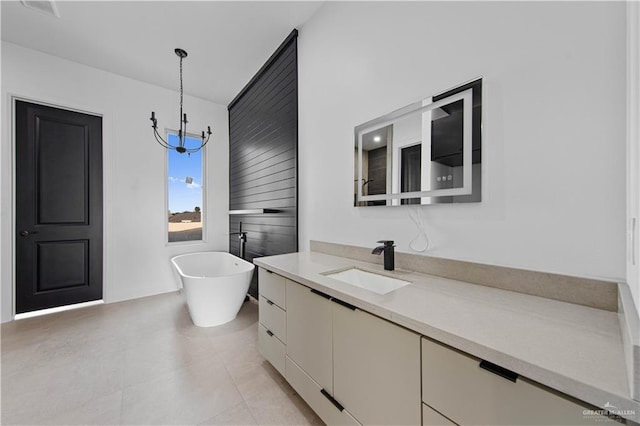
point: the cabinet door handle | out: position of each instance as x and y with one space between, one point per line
345 304
269 302
500 371
332 400
269 333
321 294
268 271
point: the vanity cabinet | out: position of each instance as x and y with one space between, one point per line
272 333
469 391
376 368
354 368
350 366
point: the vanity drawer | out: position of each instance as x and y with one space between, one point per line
273 318
271 348
454 384
271 286
311 392
430 417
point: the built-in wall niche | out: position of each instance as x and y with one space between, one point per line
428 152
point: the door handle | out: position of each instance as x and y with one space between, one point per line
321 294
25 233
500 371
332 399
345 304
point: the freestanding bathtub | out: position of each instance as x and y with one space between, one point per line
215 284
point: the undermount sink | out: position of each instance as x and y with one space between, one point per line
376 283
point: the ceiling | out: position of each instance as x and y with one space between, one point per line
227 41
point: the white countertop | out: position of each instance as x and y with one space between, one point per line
571 348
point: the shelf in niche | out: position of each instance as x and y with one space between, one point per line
253 211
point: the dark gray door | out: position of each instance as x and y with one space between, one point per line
58 207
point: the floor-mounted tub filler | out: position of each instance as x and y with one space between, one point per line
215 284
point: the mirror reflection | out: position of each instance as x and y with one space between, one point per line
393 166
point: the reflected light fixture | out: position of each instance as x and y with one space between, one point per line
377 138
182 133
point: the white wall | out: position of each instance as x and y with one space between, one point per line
554 126
633 149
135 253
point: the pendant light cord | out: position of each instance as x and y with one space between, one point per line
182 135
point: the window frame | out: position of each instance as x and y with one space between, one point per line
203 209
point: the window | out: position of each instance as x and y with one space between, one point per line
184 192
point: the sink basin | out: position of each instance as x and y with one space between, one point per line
376 283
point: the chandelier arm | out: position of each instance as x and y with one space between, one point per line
203 143
161 141
192 150
159 138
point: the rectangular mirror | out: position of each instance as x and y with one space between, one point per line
428 152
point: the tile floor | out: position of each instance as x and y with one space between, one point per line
142 362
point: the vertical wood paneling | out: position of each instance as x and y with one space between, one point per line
263 148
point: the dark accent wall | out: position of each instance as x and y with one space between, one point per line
447 131
377 174
263 152
378 171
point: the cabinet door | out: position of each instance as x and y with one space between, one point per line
273 318
376 368
272 286
309 338
311 392
455 384
271 348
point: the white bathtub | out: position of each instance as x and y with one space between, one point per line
215 284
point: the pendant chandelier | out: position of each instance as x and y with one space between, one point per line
182 133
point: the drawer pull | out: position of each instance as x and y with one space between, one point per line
321 294
269 302
500 371
332 400
269 333
345 304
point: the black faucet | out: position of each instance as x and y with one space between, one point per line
387 248
242 236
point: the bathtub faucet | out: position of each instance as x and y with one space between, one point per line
242 237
